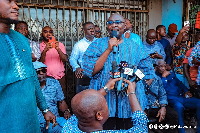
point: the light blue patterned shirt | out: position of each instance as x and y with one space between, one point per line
139 125
156 46
53 93
131 51
78 51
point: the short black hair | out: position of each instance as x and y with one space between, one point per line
86 23
19 22
159 26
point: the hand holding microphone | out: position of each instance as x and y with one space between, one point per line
113 42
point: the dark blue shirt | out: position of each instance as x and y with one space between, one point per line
173 86
168 50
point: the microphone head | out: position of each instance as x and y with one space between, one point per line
114 34
114 65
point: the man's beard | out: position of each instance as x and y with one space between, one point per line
8 20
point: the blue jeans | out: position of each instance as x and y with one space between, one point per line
80 88
57 129
179 103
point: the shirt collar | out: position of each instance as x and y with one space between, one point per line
88 40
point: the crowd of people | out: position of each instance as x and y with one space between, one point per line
33 84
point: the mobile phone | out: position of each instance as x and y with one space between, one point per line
152 53
186 23
52 40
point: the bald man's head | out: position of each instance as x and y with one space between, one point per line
116 22
151 36
128 25
88 104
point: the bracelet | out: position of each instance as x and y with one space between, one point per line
130 93
66 110
106 89
45 111
164 105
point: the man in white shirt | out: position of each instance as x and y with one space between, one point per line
79 48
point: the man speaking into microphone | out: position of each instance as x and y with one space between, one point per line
97 63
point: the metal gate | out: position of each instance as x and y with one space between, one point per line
66 18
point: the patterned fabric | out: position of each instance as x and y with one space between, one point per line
131 51
157 88
178 54
157 46
35 49
20 91
78 51
53 93
196 54
139 125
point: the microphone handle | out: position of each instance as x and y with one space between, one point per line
114 49
119 87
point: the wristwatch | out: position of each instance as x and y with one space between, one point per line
45 111
106 89
163 105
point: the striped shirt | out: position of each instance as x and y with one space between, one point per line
131 51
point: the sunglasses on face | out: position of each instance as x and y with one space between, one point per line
116 22
98 31
46 31
44 70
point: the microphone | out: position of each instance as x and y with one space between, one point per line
123 65
114 34
114 72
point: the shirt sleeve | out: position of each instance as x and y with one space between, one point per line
62 47
60 96
90 57
40 99
147 67
181 85
36 49
75 55
162 51
162 93
139 122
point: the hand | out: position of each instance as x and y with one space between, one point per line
56 45
50 117
48 46
192 83
168 67
161 113
156 55
67 115
131 86
112 42
127 34
186 28
33 57
189 94
195 61
79 72
166 73
111 83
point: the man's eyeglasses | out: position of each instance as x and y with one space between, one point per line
116 22
46 31
98 31
44 70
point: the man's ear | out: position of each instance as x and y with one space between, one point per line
99 116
